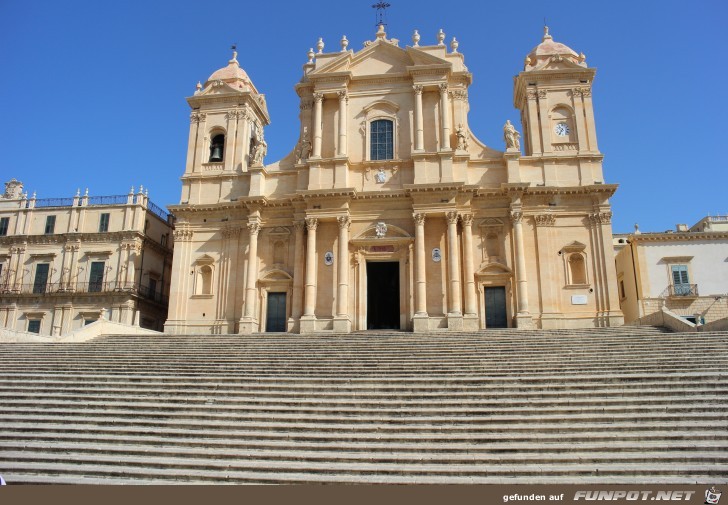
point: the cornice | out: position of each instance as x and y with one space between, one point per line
676 236
63 238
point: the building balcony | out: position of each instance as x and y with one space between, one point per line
682 291
74 288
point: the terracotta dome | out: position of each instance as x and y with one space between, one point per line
549 48
232 74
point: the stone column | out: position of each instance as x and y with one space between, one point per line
196 118
343 100
546 134
580 122
468 268
419 128
297 302
523 317
445 117
453 265
590 125
199 157
420 319
248 324
318 99
342 322
309 317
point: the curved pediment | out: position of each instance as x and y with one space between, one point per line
275 274
495 269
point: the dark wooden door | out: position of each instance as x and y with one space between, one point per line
495 307
276 314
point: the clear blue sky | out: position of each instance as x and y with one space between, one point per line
95 90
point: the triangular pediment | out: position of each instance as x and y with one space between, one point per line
380 58
420 57
574 247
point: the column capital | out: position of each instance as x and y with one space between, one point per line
318 97
311 223
253 228
467 219
418 88
545 219
344 222
516 216
452 217
198 117
299 225
443 87
419 218
343 95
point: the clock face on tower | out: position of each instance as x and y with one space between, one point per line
561 129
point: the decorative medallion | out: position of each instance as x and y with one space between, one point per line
329 258
381 230
436 255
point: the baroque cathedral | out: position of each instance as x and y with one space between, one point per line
389 213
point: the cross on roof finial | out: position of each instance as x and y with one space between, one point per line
379 15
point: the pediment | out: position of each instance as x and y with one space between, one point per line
420 57
275 274
491 222
574 246
494 269
380 58
279 231
392 232
205 259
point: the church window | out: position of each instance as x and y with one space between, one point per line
217 147
577 269
4 222
382 139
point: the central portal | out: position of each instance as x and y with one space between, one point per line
383 295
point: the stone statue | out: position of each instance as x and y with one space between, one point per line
304 149
380 176
511 136
462 136
260 150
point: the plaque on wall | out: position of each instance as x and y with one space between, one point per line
436 255
579 300
329 258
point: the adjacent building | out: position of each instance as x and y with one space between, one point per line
65 260
389 212
685 271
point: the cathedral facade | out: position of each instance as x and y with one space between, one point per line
389 213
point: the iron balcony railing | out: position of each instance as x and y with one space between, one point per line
682 290
51 288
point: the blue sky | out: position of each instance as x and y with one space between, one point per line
95 91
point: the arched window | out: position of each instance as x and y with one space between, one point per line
577 268
382 139
206 280
217 147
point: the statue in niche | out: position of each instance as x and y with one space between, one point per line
462 136
381 176
380 230
304 148
511 136
260 149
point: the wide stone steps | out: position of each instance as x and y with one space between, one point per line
625 405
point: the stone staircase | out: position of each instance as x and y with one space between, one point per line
615 405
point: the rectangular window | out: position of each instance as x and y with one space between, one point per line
4 223
104 222
34 326
96 277
41 278
382 140
680 281
164 240
621 289
50 225
152 288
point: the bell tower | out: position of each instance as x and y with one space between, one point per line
226 136
553 93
